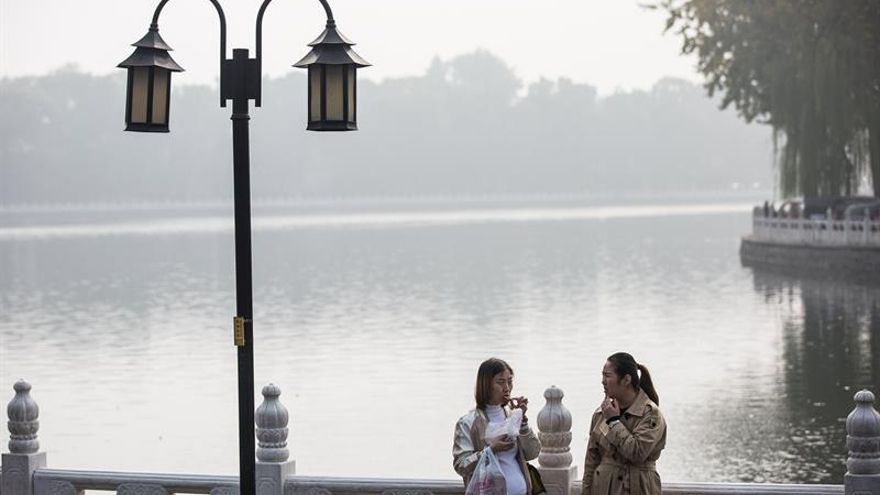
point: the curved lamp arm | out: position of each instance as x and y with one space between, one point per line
259 45
220 14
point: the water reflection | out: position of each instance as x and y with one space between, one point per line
373 329
831 348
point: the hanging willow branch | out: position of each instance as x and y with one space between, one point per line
808 68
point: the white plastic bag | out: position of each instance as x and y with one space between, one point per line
510 427
488 479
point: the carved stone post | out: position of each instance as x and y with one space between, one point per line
554 426
863 442
272 464
23 457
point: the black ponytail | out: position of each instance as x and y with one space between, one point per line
624 364
646 384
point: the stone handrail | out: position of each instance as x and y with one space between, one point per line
24 469
65 482
836 233
748 489
314 485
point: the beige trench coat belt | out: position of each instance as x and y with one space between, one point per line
623 470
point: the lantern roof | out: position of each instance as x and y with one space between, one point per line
146 57
153 40
332 55
331 35
332 48
151 51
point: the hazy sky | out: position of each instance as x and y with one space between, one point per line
611 44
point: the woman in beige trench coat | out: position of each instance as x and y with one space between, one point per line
627 433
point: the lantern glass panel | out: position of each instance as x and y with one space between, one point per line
335 92
349 93
314 92
139 91
161 84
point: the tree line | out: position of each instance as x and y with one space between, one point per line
468 126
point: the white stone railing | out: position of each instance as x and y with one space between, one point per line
64 482
304 485
24 470
832 233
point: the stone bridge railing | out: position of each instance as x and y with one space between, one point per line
837 233
24 470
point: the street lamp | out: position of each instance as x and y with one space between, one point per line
332 99
332 66
149 83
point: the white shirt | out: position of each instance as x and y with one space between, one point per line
516 484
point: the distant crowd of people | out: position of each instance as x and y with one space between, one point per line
856 209
793 210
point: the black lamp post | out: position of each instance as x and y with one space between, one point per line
331 102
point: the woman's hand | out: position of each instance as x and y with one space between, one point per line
502 443
610 408
520 403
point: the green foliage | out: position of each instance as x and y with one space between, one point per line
809 68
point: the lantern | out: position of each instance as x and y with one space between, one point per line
332 66
148 93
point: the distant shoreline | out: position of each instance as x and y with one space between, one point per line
123 223
441 201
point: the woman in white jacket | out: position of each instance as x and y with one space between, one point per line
494 403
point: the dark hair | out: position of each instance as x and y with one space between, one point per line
624 364
488 369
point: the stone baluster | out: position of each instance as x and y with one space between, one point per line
554 426
273 466
863 442
24 457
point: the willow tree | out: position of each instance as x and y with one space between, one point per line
808 68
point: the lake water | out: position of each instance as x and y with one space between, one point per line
373 320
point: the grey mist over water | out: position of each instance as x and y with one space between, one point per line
373 321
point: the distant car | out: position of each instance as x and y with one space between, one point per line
817 206
859 211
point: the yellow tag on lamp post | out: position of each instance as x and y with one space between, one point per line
238 331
